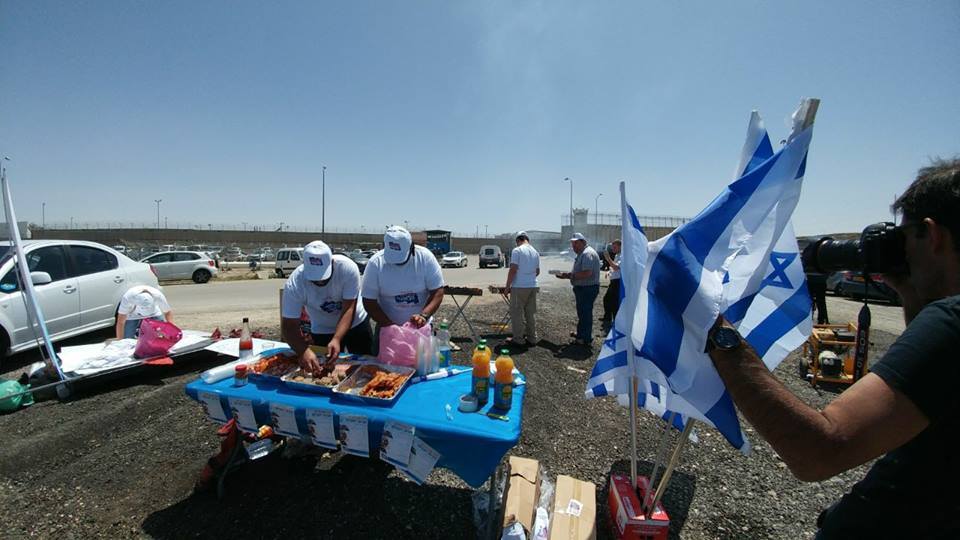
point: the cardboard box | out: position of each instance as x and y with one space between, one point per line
522 492
627 514
574 515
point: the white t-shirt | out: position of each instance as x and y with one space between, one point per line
615 274
324 304
528 261
402 290
128 305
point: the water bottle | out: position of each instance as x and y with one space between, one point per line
443 342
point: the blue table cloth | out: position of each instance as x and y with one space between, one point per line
471 444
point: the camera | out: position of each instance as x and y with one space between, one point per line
879 250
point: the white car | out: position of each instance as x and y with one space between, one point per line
288 259
454 258
79 285
195 265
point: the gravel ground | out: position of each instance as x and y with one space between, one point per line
121 459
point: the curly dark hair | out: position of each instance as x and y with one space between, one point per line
934 194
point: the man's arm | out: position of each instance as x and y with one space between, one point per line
290 332
121 320
431 307
511 275
867 420
348 309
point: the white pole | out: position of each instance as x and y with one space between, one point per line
27 283
662 449
668 472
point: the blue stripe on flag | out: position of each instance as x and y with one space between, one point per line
599 390
607 363
738 310
724 417
787 316
803 166
762 153
655 390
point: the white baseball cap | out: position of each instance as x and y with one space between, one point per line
578 236
396 244
144 304
521 233
317 261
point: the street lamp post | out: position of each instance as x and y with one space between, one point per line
323 205
43 215
571 201
596 211
158 201
486 231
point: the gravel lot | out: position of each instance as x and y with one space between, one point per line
121 459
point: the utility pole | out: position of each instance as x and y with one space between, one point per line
596 212
43 215
158 201
323 205
571 202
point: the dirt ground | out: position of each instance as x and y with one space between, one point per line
120 460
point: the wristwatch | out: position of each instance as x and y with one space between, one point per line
724 338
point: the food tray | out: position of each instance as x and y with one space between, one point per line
266 354
315 388
350 388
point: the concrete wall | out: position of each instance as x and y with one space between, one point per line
243 239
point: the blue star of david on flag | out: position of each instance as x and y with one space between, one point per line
778 277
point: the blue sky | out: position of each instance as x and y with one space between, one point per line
461 114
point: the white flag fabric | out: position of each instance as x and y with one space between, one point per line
738 257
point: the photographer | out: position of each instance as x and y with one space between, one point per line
905 409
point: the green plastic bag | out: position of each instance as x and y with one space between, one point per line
9 388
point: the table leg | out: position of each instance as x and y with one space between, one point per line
460 311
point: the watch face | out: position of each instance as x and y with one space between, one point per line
726 338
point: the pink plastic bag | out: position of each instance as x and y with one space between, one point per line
156 338
398 344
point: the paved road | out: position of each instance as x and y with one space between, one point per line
232 296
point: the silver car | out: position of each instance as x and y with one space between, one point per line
195 265
79 285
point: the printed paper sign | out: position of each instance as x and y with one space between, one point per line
212 407
423 459
320 426
354 436
396 443
283 420
242 410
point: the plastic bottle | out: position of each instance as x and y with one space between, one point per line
503 382
480 387
488 351
443 343
246 340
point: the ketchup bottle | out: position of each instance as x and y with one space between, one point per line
246 340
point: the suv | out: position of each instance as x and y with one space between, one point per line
78 284
288 259
491 255
195 265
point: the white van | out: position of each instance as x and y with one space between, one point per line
288 259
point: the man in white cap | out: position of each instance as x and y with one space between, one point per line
328 286
522 288
402 282
138 303
585 278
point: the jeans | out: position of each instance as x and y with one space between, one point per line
585 296
131 328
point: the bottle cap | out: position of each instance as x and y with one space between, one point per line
241 369
443 326
468 403
246 319
481 347
505 352
483 341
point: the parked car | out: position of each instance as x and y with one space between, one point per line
288 259
454 258
195 265
359 258
491 256
78 284
233 254
853 285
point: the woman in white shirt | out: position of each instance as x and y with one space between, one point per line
139 303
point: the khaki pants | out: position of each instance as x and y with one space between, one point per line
523 313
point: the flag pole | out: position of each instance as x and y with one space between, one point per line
634 388
662 449
668 472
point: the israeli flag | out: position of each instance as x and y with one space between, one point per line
738 257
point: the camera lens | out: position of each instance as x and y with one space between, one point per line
833 255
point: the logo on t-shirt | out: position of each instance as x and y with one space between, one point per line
331 307
407 298
316 261
394 246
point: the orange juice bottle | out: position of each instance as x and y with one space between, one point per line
480 387
488 352
503 382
